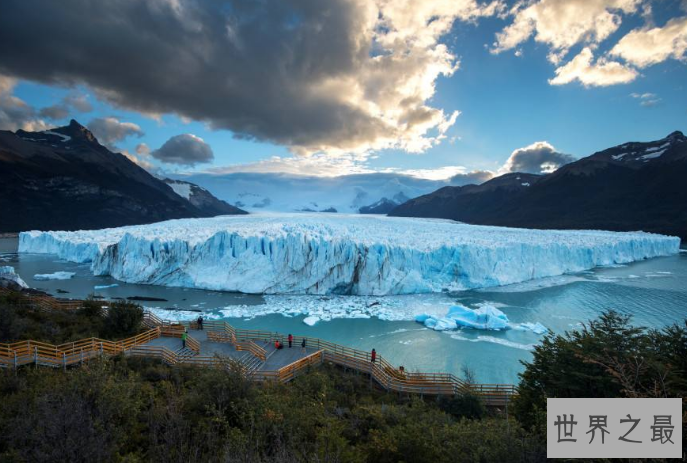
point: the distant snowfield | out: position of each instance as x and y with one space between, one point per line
266 192
339 254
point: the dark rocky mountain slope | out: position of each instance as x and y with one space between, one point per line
634 186
202 198
63 179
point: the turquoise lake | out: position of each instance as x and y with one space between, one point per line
654 292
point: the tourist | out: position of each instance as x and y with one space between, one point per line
183 339
200 322
290 340
373 356
303 346
276 343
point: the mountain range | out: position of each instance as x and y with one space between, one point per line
63 179
282 192
633 186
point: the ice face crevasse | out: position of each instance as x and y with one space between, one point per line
346 254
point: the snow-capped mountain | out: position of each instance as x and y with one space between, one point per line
637 154
339 253
384 205
63 179
202 198
633 186
260 192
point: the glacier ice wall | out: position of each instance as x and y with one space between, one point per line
339 254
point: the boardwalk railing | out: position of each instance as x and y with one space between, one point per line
381 371
43 302
289 372
40 353
192 344
253 348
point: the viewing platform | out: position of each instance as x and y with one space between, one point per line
250 352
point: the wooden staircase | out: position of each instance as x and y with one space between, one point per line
254 356
185 354
251 364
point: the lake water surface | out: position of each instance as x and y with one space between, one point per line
654 292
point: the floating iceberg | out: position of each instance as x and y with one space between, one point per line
485 317
54 276
339 254
311 321
105 286
536 328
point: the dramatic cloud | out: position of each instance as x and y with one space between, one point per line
646 99
561 24
456 175
141 157
142 149
322 165
593 74
475 177
318 164
109 131
142 161
15 113
185 149
644 47
69 104
335 76
55 112
79 102
538 158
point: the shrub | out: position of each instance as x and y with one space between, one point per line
122 319
91 308
463 406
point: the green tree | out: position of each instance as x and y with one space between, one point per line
122 319
608 357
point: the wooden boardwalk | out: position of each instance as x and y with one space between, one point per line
274 359
252 352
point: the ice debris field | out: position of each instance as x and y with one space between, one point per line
53 276
339 254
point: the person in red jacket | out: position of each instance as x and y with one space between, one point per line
373 356
290 340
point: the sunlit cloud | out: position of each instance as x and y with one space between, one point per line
562 24
648 46
590 73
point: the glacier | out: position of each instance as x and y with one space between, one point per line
339 254
10 278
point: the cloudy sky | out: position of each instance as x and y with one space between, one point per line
433 89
